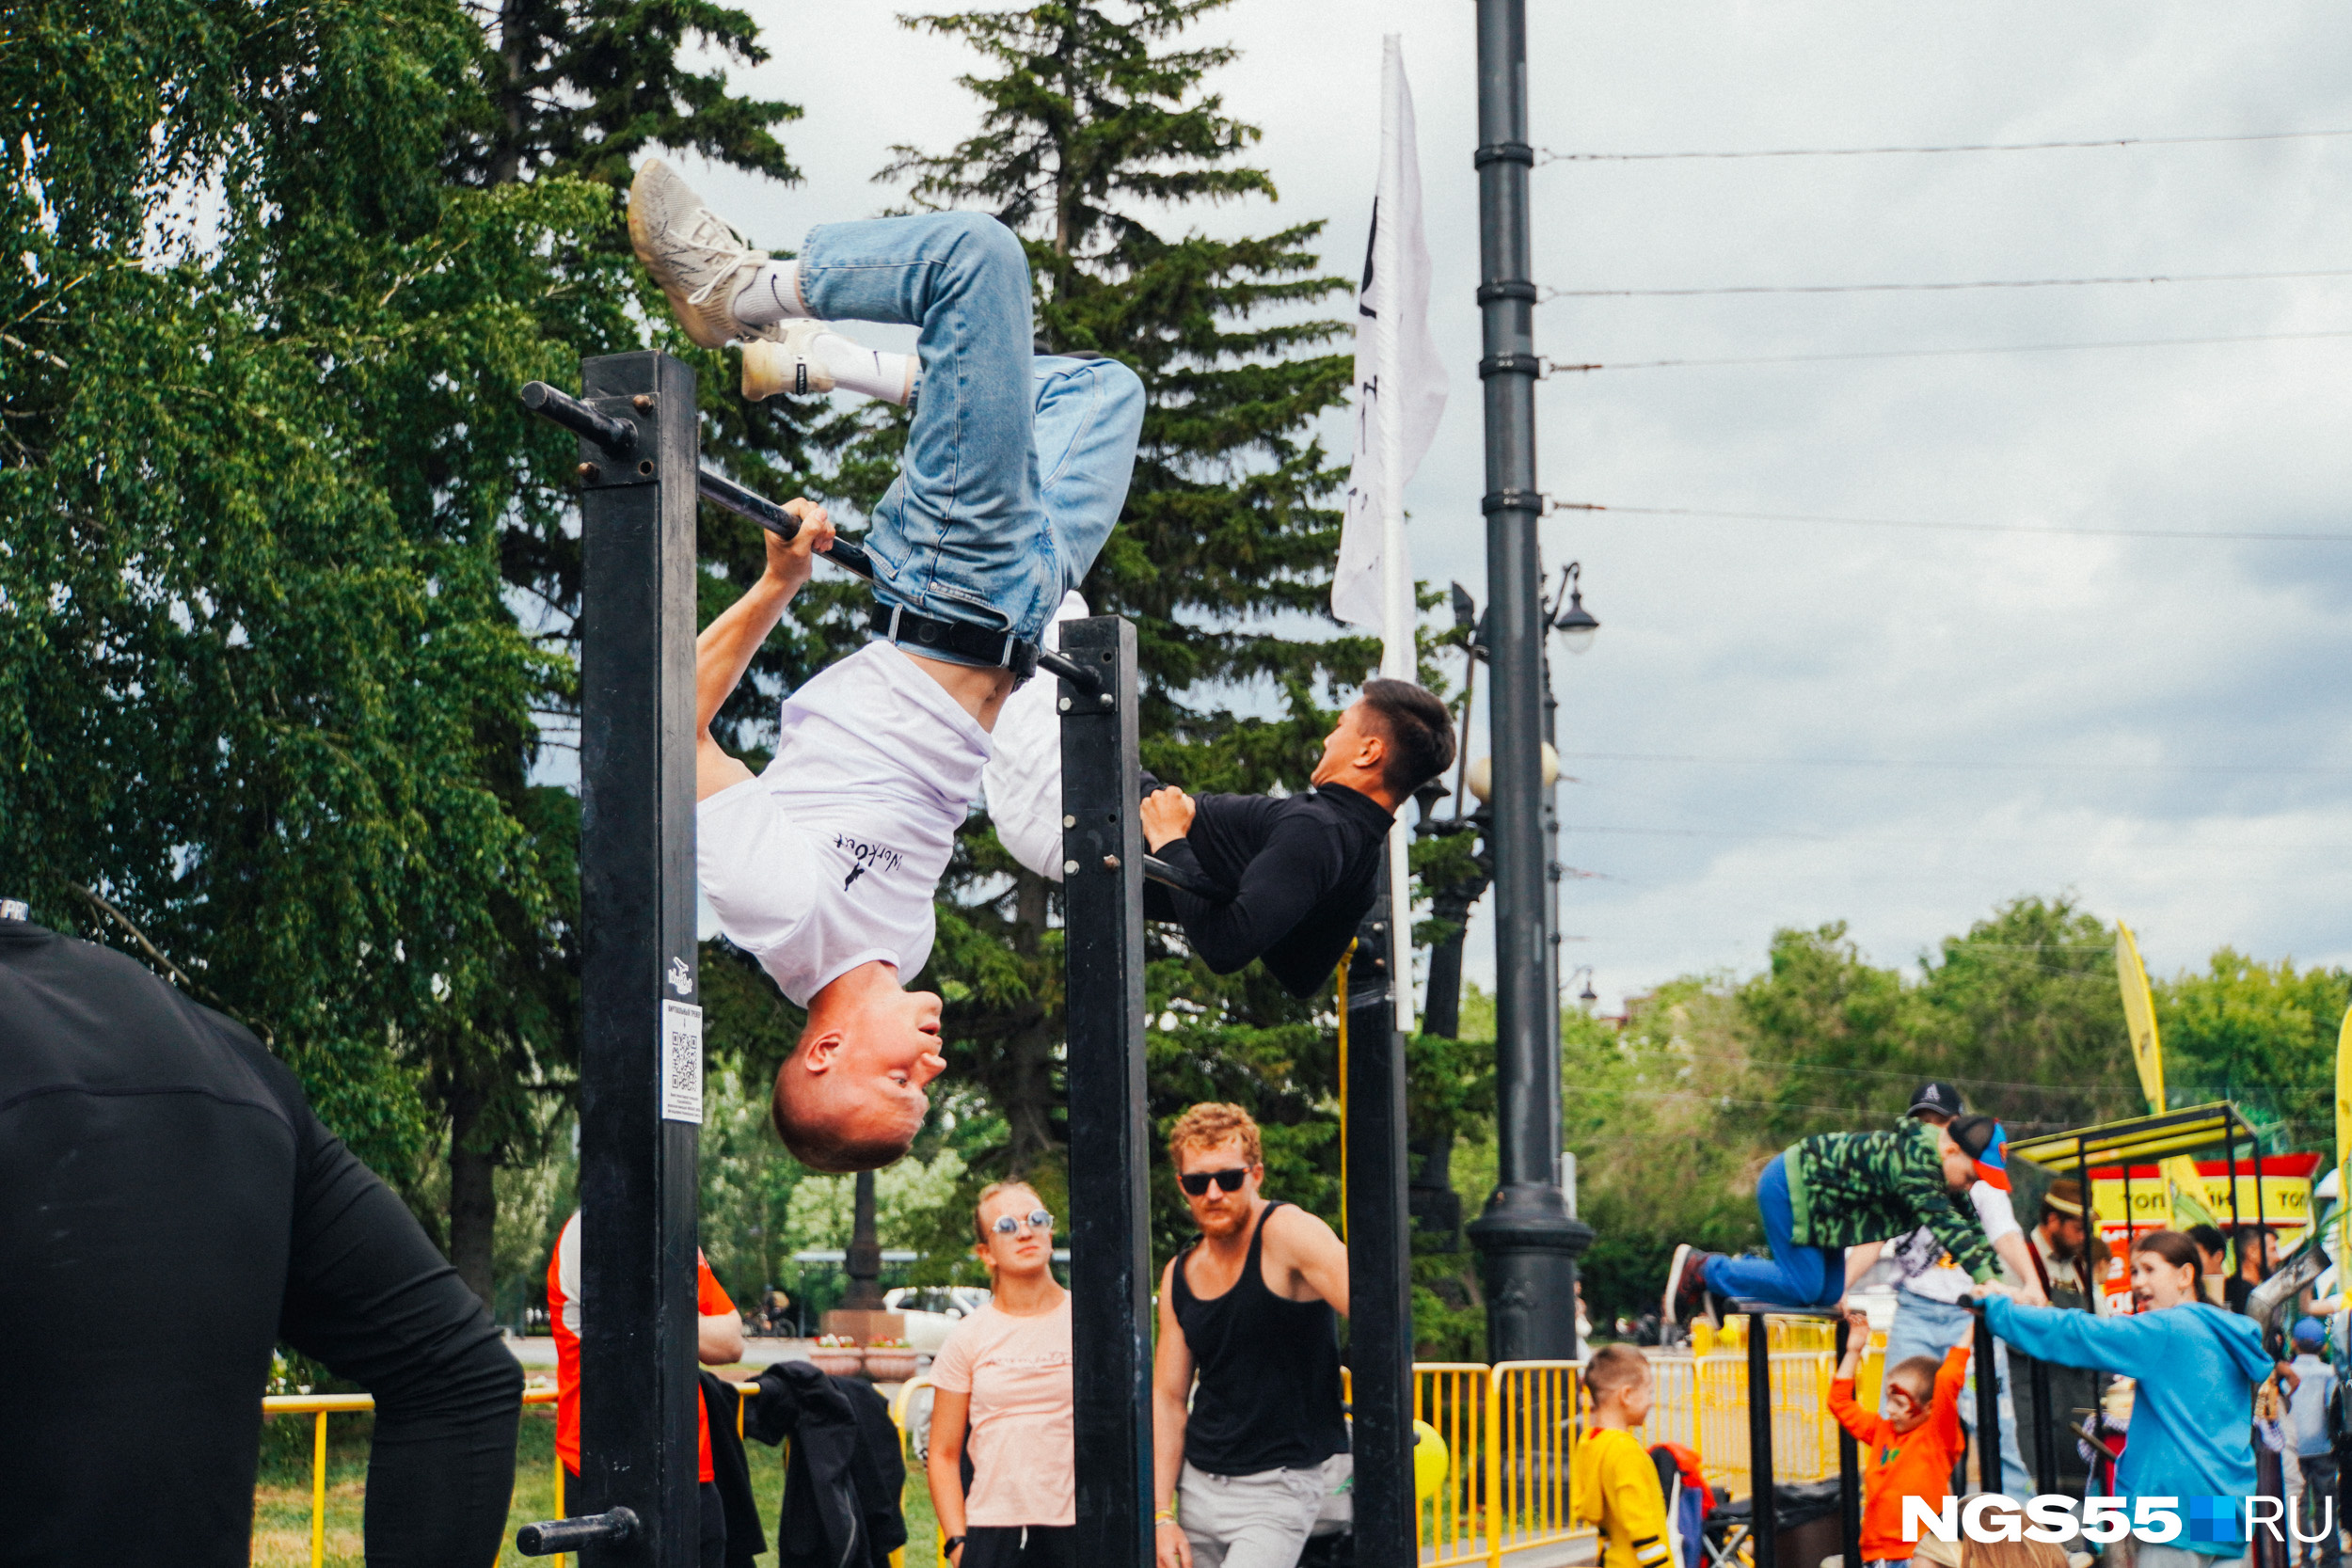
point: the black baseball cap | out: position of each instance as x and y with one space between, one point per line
1935 1096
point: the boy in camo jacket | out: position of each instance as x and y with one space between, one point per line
1838 1189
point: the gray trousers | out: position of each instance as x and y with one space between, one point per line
1255 1521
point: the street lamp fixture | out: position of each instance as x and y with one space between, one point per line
1575 624
1586 997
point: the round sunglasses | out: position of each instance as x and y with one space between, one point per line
1228 1181
1037 1219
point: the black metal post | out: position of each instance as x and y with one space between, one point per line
1528 1240
1110 1276
1849 1476
1764 1507
2044 1436
1988 1409
862 1261
1379 1254
641 1027
1437 1209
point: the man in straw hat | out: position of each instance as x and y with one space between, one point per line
2067 1247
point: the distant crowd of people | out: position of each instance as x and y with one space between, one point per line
1931 1198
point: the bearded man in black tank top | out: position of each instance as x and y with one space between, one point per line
1246 1379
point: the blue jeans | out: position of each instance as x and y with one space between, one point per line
1016 464
1924 1326
1800 1276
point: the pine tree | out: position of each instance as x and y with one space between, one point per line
1092 116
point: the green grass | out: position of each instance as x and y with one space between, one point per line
282 1499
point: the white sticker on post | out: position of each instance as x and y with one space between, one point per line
681 1062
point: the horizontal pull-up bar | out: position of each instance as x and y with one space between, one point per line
550 1536
616 435
560 407
751 505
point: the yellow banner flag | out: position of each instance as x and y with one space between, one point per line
2184 1202
2343 1144
2139 1016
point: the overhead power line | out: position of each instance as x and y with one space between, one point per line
1546 155
1977 842
2254 536
1940 288
1951 766
1941 352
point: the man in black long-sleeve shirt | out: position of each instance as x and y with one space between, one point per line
1298 873
147 1141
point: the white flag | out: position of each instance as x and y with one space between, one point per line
1400 391
1400 388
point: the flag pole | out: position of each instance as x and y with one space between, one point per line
1397 651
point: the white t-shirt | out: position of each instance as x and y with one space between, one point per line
829 858
1919 1257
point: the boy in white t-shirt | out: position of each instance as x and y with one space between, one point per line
1016 467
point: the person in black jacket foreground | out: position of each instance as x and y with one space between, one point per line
1297 873
146 1142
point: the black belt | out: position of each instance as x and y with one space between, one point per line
1000 649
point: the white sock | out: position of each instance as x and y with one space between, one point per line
870 372
772 296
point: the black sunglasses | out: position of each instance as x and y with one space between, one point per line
1228 1180
1039 1219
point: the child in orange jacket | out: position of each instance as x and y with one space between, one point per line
1908 1452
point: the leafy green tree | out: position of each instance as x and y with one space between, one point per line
2024 1013
2257 1032
1830 1033
1670 1120
267 715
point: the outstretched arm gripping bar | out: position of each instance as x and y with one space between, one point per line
550 1536
727 495
619 435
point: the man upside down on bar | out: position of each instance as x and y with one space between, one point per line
1016 466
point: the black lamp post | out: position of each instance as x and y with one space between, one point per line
1528 1237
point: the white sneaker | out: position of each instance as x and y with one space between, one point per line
785 360
700 261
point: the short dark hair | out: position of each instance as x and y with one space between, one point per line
2208 1237
1419 732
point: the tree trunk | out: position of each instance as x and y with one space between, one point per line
473 1205
1025 1090
511 98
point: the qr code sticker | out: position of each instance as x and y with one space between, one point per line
681 1062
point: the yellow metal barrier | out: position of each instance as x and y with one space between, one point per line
1509 1433
1533 1409
1454 1397
324 1405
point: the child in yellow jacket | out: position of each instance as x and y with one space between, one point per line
1613 1483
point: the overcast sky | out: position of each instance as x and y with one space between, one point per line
1783 723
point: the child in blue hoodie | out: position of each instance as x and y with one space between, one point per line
2195 1368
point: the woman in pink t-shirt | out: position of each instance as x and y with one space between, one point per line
1003 1379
